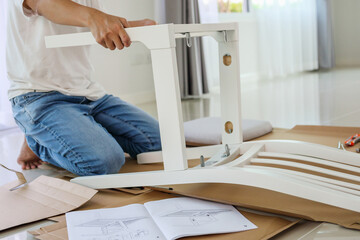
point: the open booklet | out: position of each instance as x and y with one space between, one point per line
161 220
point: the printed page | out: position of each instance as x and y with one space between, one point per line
181 217
129 222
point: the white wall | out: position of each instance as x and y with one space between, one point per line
346 20
126 73
6 119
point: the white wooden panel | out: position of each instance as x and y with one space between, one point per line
70 40
169 109
307 176
306 167
310 180
312 150
240 176
230 92
310 160
153 37
217 27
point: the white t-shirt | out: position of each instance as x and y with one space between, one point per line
33 67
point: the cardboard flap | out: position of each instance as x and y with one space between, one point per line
44 197
54 231
20 176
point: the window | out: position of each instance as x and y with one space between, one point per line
233 6
259 4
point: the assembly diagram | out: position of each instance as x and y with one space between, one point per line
197 217
115 229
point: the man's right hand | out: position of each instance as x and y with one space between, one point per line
109 31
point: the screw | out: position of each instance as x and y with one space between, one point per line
202 161
343 148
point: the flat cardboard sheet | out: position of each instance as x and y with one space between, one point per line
268 226
42 198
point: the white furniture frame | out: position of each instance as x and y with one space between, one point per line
300 169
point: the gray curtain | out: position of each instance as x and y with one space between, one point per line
325 35
192 74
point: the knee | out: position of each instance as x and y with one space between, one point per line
104 163
111 164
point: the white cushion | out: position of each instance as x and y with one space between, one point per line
207 131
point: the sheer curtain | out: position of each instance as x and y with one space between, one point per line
6 119
287 36
209 14
325 34
192 70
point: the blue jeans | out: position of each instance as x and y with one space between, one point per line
85 137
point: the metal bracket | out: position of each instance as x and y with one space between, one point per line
225 36
188 39
227 151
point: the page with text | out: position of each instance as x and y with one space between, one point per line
181 217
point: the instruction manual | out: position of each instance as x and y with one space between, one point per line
161 220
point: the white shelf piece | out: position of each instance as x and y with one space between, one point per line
282 166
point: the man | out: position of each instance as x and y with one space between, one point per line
69 120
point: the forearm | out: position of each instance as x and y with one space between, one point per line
64 12
108 30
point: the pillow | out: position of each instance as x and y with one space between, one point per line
207 131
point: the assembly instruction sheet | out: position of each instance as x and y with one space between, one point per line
164 220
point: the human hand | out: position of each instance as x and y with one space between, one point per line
109 31
141 23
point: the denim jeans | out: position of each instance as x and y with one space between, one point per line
85 137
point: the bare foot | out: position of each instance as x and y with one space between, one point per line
140 23
27 159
